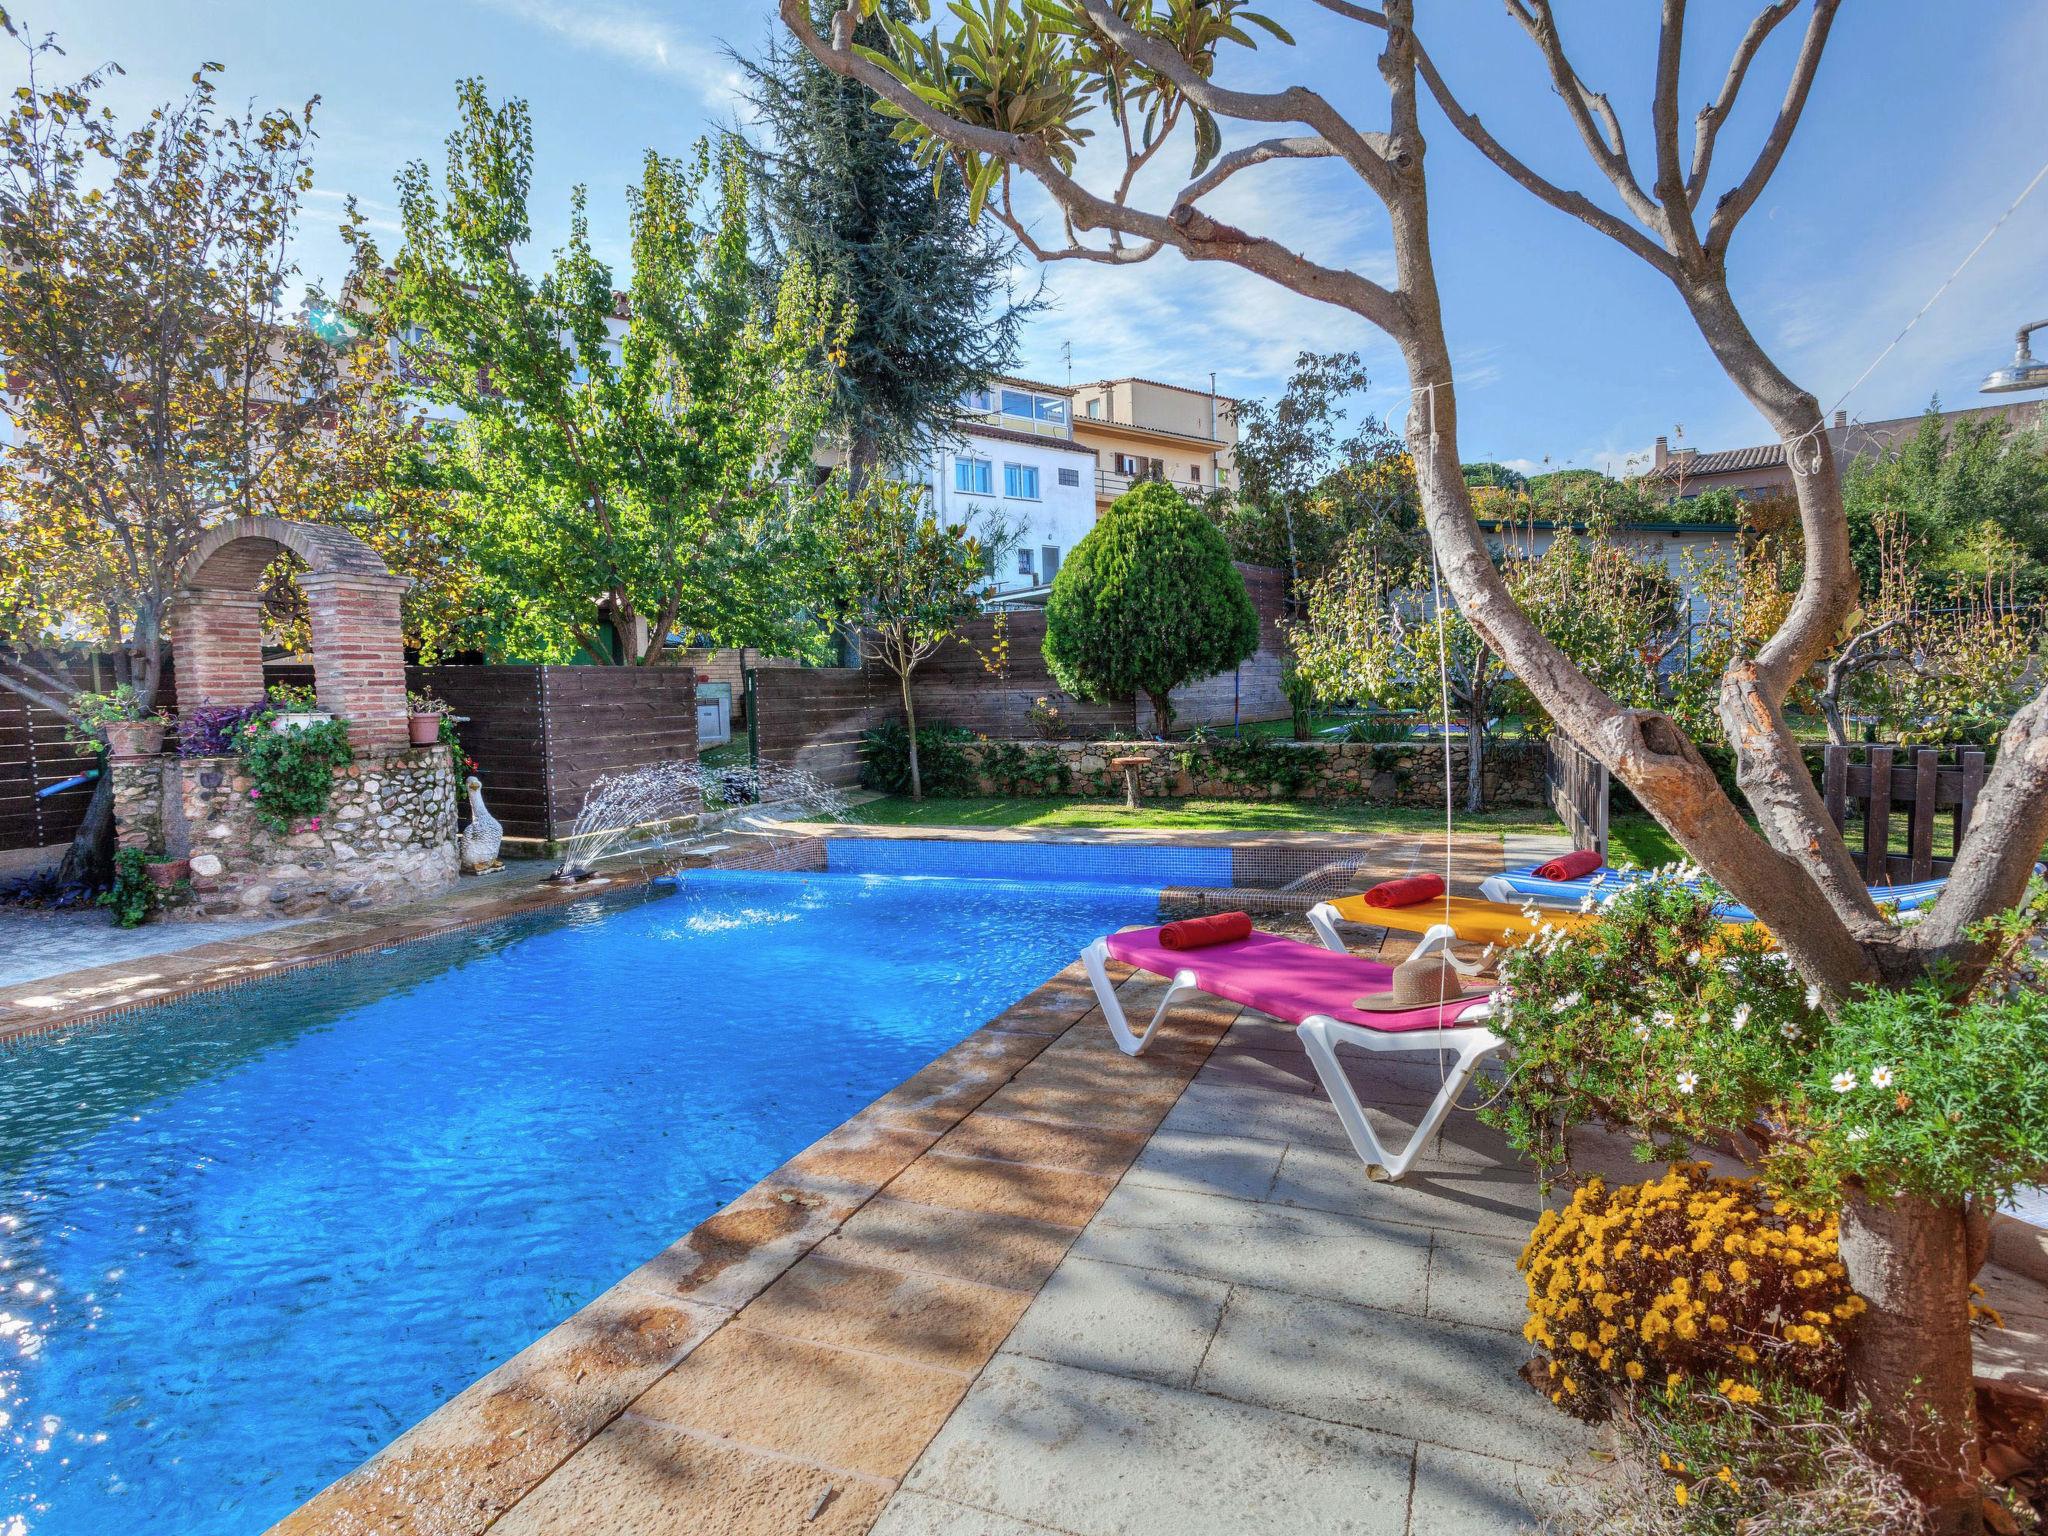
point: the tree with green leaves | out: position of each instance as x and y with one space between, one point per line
1147 601
158 381
906 583
930 287
630 461
1013 93
1308 478
1970 497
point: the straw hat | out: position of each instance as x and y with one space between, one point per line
1418 984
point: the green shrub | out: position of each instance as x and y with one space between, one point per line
1017 769
1377 730
292 771
1149 600
1257 762
133 896
944 767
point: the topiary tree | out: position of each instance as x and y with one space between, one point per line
1147 601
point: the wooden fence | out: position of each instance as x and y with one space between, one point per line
1575 782
1915 778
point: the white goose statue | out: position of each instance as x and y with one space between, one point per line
481 837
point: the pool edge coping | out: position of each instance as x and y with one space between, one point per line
442 1476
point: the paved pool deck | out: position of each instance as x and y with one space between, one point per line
1039 1287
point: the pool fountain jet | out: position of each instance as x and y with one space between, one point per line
650 810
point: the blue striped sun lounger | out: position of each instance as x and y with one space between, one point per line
1525 885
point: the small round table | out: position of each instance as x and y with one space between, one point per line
1130 767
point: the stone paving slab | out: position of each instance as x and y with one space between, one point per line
1096 1454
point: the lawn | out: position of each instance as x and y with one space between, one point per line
1186 816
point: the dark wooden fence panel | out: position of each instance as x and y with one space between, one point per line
605 720
812 718
33 756
958 686
1576 784
1915 778
501 727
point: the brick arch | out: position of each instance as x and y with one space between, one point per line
358 644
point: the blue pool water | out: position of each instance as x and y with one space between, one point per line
247 1238
1150 864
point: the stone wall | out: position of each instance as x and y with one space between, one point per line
387 835
1397 773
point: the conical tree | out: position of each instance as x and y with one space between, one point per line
1149 600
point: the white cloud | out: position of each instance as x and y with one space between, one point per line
630 35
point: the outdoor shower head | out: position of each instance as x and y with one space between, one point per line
2023 372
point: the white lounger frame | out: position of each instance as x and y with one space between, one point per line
1437 939
1320 1035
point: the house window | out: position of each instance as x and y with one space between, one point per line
1128 464
1070 477
1016 403
1051 410
1048 562
1095 409
1195 473
1020 481
977 400
975 477
1023 562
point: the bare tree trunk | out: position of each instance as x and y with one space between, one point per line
910 726
1910 1355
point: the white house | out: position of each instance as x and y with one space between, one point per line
1012 464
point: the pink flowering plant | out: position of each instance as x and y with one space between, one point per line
1651 1014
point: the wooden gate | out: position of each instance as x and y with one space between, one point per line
1575 782
1912 777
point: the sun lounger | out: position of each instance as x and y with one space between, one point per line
1520 885
1440 921
1311 988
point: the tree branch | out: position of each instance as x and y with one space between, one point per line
1707 127
1584 104
1738 200
1577 204
1227 166
1187 229
2006 835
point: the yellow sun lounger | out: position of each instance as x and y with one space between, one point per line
1442 921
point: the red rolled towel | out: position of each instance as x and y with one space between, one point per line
1572 866
1199 932
1409 892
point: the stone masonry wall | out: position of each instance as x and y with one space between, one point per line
1397 773
387 835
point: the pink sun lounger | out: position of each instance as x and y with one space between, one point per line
1310 988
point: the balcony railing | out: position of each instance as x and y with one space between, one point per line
1109 485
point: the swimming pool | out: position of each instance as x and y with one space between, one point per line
249 1237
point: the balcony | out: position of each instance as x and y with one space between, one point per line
1109 485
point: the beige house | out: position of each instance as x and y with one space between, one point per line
1140 429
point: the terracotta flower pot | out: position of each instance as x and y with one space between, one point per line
165 873
135 738
424 730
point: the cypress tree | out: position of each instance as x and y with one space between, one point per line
935 315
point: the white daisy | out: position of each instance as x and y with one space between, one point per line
1859 1134
1880 1077
1813 994
1641 1030
1566 1003
1789 1030
1843 1081
1687 1081
1741 1019
1664 1019
1693 958
1586 902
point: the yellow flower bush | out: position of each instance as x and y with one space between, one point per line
1684 1275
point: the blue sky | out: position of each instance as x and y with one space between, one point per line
1925 124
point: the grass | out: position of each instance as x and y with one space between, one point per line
1639 841
1187 816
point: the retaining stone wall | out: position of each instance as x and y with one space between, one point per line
1396 774
387 835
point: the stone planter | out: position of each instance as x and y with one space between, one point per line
165 873
299 719
424 730
135 738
